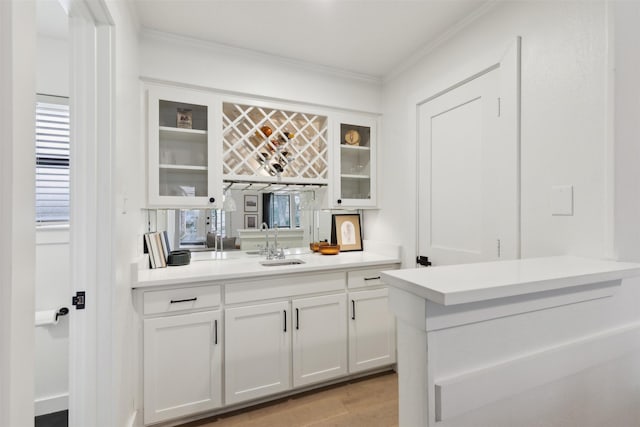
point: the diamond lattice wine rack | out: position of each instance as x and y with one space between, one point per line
274 145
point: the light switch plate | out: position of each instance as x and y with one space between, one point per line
562 200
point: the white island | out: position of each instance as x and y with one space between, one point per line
470 337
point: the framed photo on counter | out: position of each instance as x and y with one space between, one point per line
346 232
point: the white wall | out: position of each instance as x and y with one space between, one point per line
565 113
563 122
52 72
53 288
17 211
210 66
128 184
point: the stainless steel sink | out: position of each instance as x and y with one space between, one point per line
277 262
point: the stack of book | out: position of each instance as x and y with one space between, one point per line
156 244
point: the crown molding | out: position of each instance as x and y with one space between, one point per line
424 51
255 55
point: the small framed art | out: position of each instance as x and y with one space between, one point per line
346 232
250 221
251 203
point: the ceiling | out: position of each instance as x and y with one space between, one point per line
367 37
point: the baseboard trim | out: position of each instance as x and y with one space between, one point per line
51 404
473 390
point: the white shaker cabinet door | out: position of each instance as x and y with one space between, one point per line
319 339
372 340
257 351
182 365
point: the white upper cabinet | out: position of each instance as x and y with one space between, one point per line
184 154
354 167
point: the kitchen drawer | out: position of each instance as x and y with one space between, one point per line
181 299
284 287
368 277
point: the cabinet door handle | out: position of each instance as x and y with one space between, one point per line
297 319
173 301
353 310
285 320
372 278
215 332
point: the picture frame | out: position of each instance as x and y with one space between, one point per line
346 232
251 203
251 221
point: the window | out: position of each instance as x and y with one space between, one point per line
281 210
52 159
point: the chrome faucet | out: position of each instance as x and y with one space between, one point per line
271 252
278 253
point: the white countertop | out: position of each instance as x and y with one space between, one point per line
250 267
465 283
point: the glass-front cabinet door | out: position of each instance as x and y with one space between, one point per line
184 159
354 183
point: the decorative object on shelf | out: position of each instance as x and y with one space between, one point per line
251 221
346 232
352 137
251 203
184 118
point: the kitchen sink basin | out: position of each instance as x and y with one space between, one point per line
277 262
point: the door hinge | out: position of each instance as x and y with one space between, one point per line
499 248
423 260
499 107
78 300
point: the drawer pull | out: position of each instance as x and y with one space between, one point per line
174 301
372 278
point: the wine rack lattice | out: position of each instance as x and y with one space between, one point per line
295 151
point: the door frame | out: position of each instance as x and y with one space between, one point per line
508 60
92 84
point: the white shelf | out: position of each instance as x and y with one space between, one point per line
183 167
170 129
354 147
350 176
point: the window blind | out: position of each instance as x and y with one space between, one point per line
52 160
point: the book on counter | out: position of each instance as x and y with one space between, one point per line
156 244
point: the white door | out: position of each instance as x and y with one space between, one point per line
182 365
372 338
468 174
257 351
319 339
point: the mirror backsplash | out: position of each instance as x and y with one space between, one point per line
295 214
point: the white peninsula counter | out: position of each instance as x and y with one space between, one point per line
470 337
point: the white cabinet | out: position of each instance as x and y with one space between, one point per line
182 365
355 161
257 351
372 341
319 339
185 160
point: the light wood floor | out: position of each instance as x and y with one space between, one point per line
370 402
